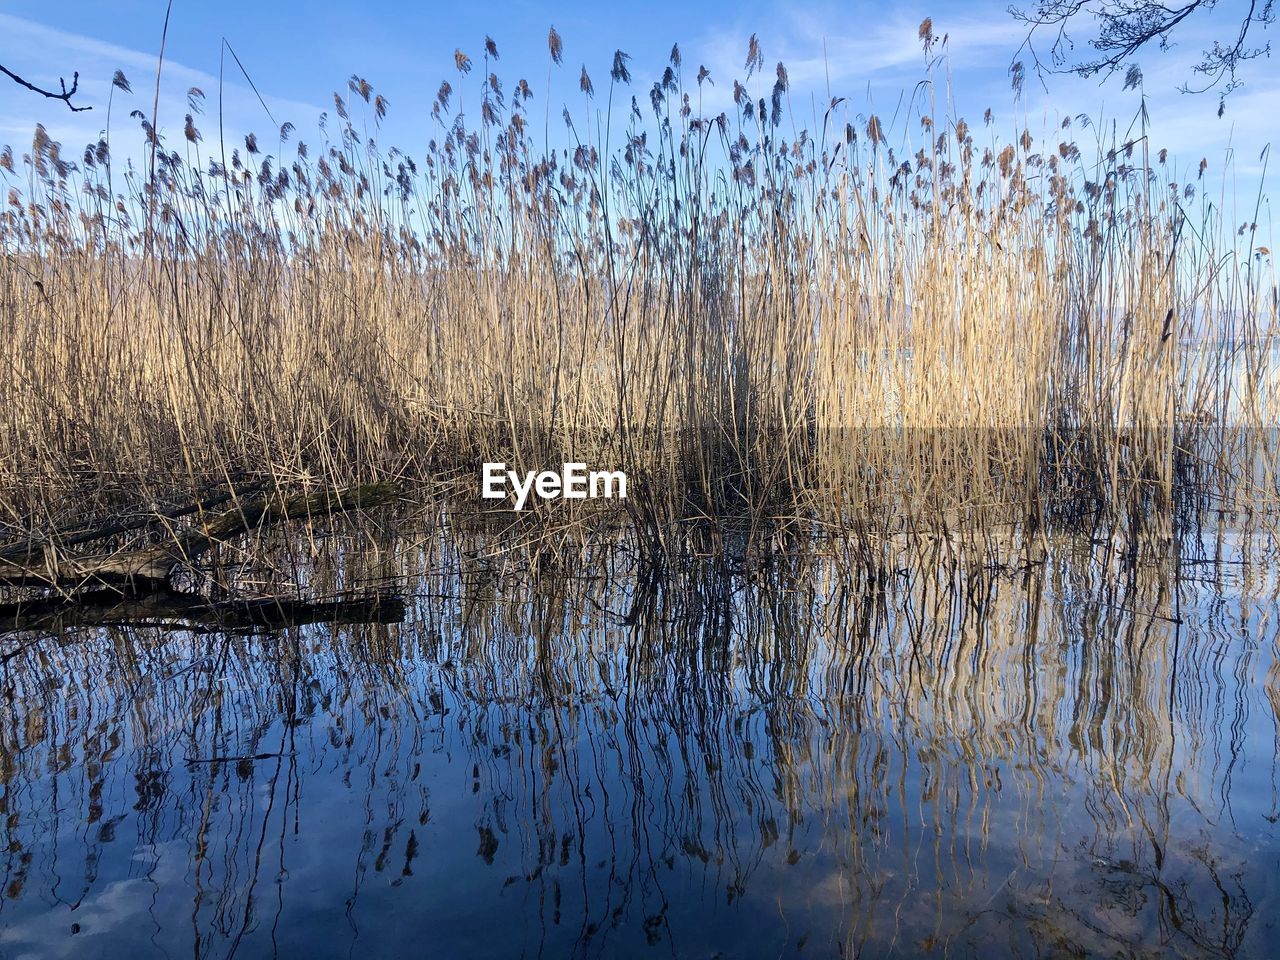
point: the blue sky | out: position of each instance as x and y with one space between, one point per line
298 53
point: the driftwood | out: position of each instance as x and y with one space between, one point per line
48 564
74 534
168 610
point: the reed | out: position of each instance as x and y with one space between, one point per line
756 314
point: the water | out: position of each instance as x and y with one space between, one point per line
579 759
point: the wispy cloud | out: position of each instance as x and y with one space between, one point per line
846 53
870 54
876 58
97 62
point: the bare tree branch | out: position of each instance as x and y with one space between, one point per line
1124 27
65 96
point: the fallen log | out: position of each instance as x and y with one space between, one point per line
32 551
150 567
167 610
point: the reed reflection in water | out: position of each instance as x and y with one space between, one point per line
1069 761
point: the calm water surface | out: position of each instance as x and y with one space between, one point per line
589 761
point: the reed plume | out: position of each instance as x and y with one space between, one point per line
888 331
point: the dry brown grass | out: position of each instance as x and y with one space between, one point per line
750 318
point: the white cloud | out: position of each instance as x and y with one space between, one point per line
872 56
121 909
875 58
97 62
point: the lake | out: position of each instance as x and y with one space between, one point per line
503 752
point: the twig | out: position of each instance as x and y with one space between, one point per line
65 96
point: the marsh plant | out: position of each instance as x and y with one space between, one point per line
830 678
886 325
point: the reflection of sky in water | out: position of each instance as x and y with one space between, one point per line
1251 374
1043 764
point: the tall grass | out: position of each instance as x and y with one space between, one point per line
887 327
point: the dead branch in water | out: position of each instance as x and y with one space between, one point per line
166 610
64 536
43 562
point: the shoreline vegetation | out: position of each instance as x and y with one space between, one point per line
760 316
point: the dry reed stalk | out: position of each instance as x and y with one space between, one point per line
753 322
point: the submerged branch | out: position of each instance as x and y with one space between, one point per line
164 609
43 563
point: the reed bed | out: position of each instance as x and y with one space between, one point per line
885 326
